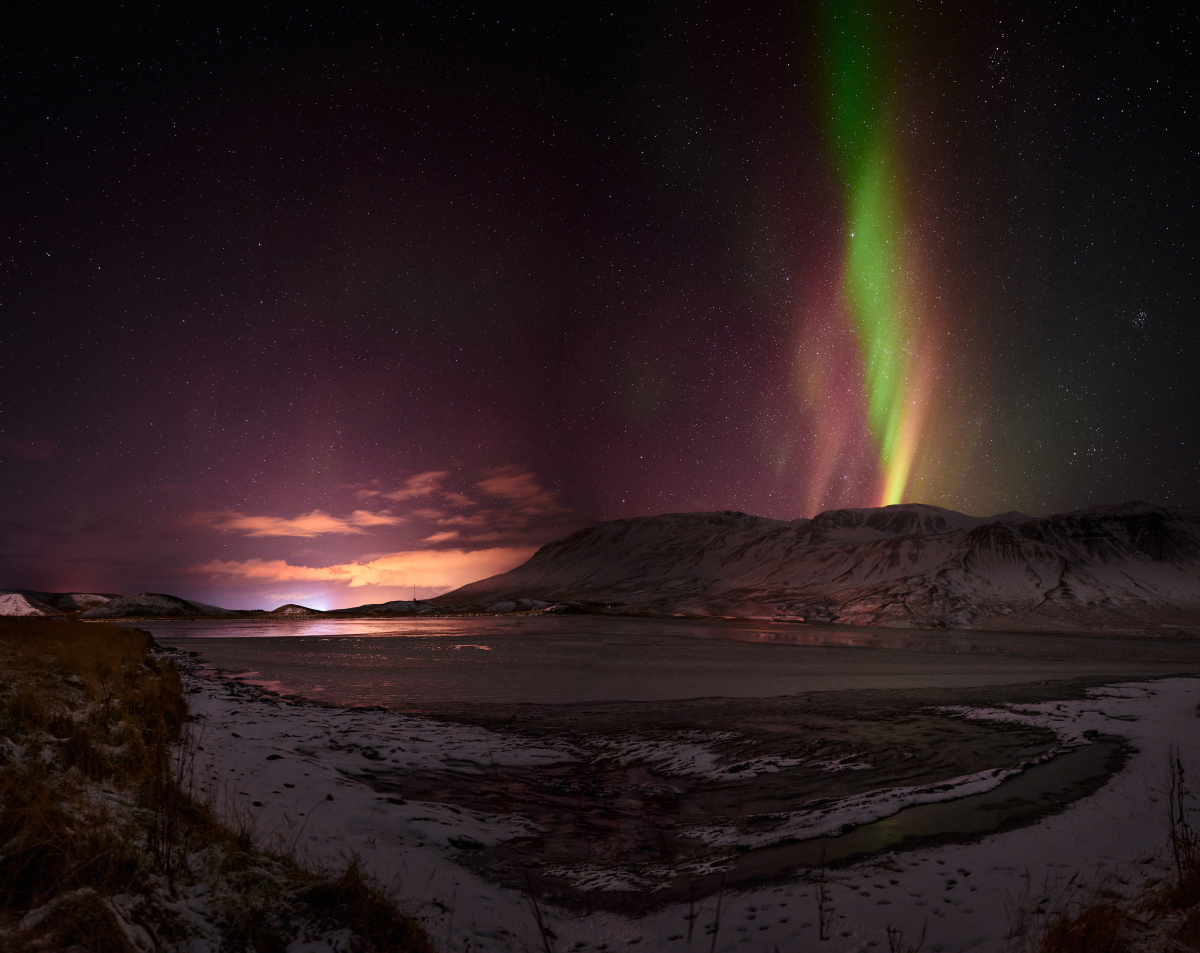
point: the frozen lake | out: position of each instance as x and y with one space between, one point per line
704 767
427 663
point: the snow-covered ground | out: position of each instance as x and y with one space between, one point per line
302 772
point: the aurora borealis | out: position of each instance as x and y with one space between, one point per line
294 302
878 296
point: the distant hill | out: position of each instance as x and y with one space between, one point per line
21 604
159 605
104 605
35 602
153 605
909 565
291 610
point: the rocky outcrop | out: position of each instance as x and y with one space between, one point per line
1131 565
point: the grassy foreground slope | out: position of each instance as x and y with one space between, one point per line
102 846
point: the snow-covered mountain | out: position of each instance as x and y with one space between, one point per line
908 565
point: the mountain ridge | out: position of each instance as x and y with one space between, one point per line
1132 564
1129 565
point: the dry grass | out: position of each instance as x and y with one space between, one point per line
1103 928
95 805
270 919
1163 917
896 943
79 704
79 920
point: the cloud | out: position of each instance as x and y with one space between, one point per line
432 568
516 510
522 488
382 518
427 513
476 519
30 449
518 502
316 523
418 485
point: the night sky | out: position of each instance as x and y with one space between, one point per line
324 303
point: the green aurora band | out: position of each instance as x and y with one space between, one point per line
859 102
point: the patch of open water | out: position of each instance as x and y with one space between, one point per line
413 663
1020 799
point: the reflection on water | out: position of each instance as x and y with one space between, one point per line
1098 645
430 662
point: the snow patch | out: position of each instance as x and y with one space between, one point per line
19 604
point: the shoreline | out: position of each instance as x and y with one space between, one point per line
1164 633
419 831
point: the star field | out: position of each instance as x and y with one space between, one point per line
260 263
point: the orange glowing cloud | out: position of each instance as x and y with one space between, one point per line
435 569
307 525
